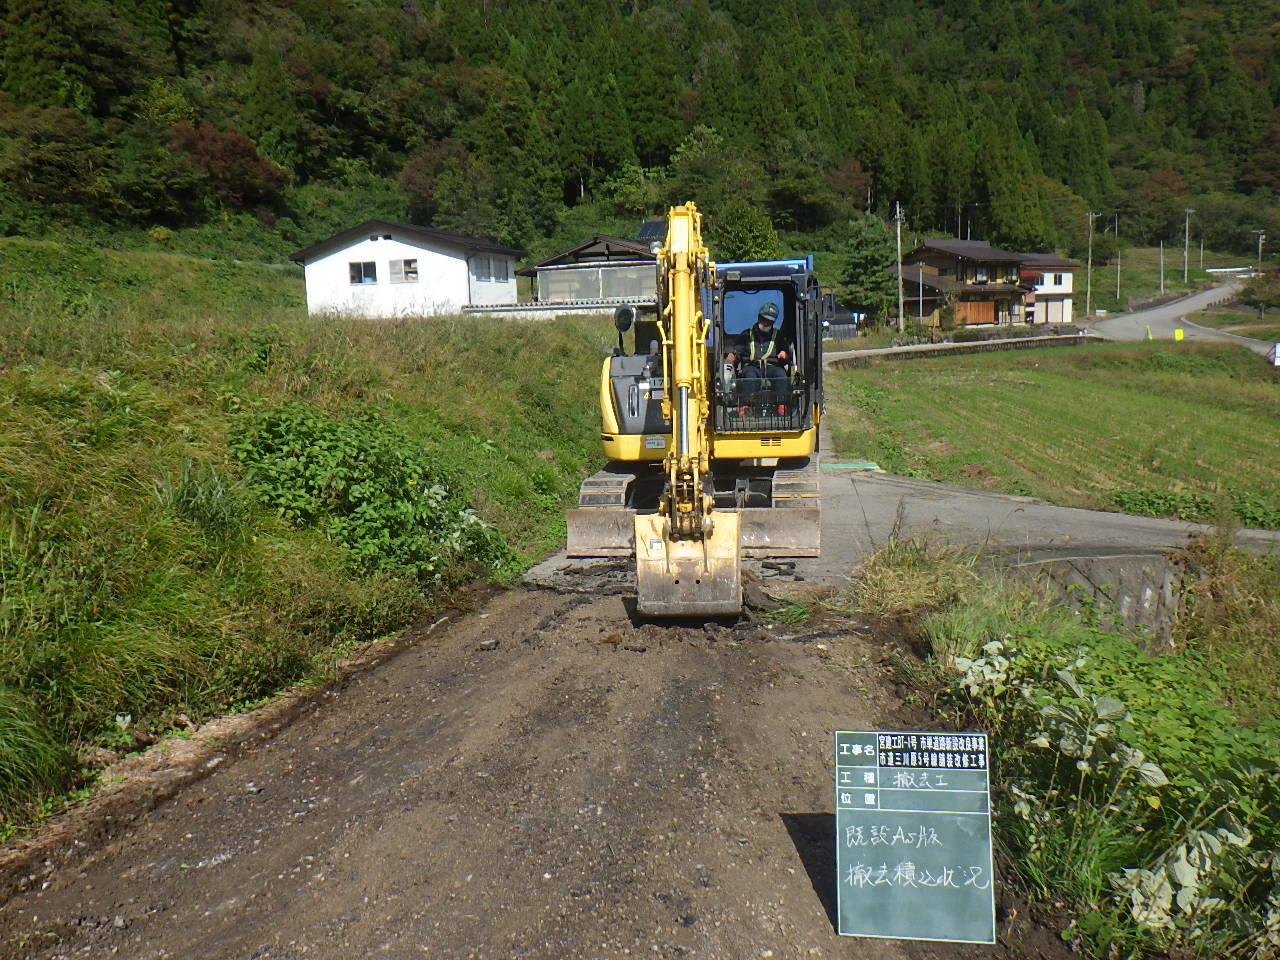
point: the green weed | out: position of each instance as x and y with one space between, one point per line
908 574
386 502
30 754
1128 787
1140 790
790 613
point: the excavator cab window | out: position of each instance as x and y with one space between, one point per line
751 398
741 307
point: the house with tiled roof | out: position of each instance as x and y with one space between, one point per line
980 281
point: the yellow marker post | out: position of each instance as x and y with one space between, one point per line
1177 333
1149 336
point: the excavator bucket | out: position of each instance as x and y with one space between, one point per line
686 578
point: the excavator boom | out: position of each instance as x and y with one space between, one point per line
687 553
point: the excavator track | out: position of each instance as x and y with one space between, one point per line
603 523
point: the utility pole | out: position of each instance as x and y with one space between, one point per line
1262 310
1088 271
920 283
1162 266
1201 249
1117 261
897 219
1186 240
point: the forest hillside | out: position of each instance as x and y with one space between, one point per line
229 127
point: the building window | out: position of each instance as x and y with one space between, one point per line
1057 279
366 272
945 271
482 268
404 271
980 273
500 269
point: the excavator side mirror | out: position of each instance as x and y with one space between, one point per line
623 317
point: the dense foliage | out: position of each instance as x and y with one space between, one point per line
534 123
1135 791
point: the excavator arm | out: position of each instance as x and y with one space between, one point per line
686 553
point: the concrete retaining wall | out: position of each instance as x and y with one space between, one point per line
1132 593
864 358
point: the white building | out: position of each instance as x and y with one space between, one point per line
593 277
385 269
1050 278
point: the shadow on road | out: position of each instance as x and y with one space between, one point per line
814 836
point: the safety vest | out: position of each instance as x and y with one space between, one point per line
773 338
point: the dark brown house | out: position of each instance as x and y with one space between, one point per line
979 280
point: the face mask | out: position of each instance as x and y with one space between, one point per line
764 327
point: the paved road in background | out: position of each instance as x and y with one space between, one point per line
1167 317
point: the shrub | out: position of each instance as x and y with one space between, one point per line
1248 507
386 502
1126 786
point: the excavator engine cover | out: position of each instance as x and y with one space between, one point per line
688 578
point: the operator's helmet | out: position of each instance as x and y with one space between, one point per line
768 313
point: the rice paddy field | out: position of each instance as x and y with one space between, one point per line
1146 428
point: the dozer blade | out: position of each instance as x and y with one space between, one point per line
599 532
784 531
683 578
762 531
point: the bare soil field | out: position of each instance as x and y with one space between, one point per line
538 777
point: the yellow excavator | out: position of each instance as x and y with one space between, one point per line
710 460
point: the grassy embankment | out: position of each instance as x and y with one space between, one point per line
1140 277
1147 428
1241 320
206 495
1138 792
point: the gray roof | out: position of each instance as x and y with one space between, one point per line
601 248
413 230
978 250
1047 260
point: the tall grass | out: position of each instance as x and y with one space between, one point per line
143 576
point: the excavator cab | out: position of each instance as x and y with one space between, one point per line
764 395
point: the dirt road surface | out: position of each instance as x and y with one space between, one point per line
591 787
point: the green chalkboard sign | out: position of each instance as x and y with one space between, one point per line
913 836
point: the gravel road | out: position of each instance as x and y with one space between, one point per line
588 788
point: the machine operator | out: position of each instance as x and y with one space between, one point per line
762 353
